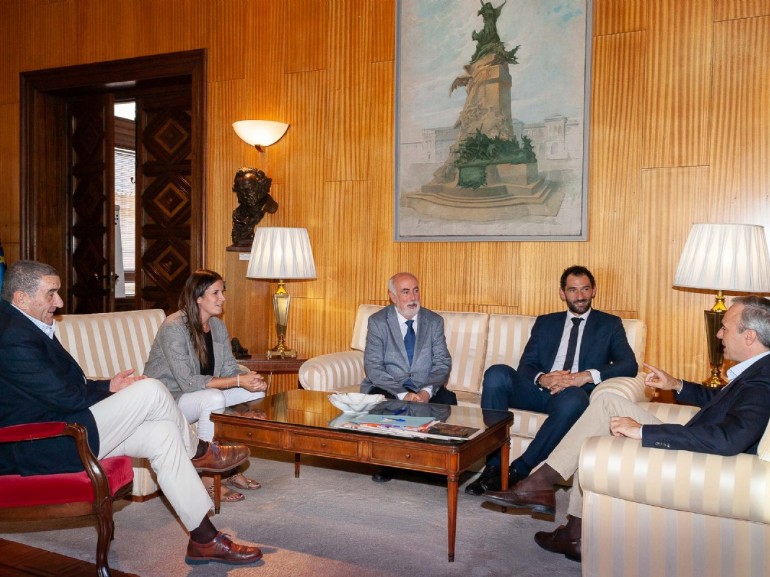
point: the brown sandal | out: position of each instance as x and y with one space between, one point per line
235 482
227 496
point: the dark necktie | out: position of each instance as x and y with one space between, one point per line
572 344
409 340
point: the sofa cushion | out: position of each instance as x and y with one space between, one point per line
104 344
358 341
466 339
508 335
763 450
636 333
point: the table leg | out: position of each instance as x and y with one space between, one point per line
451 492
505 457
217 492
296 465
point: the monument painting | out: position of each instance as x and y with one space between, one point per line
491 120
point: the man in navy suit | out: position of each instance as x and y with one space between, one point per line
126 415
565 358
731 420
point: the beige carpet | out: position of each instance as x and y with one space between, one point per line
331 522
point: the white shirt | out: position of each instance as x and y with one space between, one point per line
49 330
735 371
561 354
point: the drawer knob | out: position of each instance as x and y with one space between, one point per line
323 445
408 456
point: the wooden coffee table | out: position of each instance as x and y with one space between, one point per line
298 421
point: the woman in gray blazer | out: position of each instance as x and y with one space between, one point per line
193 357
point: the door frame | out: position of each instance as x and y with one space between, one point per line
44 151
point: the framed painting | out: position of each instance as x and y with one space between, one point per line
492 102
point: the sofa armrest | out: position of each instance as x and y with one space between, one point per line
736 487
333 371
631 388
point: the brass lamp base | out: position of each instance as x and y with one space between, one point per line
278 351
713 320
281 302
715 380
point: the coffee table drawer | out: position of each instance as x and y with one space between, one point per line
262 437
314 444
409 457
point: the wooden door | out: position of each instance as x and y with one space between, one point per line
165 212
58 128
91 193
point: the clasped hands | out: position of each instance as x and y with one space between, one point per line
252 382
419 397
556 381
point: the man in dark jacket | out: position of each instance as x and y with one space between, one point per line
732 420
127 415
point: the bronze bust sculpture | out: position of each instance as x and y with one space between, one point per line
252 187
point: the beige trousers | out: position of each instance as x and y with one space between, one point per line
143 420
594 422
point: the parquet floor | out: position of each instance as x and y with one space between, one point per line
17 560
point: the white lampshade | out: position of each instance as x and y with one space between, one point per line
281 254
725 257
260 133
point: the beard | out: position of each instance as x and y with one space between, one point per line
579 307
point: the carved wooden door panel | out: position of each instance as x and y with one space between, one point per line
91 184
165 214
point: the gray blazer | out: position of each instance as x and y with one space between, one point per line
385 361
173 360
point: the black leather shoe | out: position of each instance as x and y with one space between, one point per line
382 476
489 480
514 477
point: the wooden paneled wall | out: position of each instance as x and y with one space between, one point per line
680 132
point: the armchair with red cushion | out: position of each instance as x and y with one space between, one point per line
90 492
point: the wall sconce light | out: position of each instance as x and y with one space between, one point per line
731 257
260 133
281 254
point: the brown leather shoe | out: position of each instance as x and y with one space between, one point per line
542 501
558 542
221 550
220 458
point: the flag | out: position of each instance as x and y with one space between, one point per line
2 265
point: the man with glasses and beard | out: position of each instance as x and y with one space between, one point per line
567 355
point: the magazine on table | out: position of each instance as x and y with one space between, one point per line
406 426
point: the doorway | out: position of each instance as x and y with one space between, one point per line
69 141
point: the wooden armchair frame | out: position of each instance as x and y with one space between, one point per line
90 492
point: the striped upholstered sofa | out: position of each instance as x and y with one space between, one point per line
476 341
107 343
654 512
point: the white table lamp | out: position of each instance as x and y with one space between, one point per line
723 257
281 254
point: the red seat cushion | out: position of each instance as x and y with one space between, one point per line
18 491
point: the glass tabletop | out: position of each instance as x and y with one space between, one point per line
313 409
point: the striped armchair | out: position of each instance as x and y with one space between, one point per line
651 512
106 343
476 341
